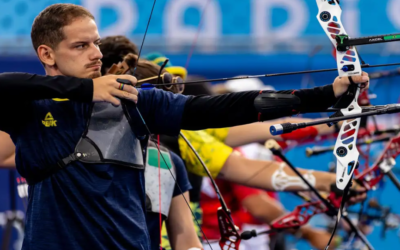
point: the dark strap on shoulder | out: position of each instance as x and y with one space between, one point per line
47 172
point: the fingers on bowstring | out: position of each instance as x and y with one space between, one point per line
125 87
114 101
130 89
124 95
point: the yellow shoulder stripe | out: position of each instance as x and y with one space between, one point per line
60 100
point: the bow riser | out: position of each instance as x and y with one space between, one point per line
348 63
230 238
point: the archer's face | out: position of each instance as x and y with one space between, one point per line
78 54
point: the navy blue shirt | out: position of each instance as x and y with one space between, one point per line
153 219
84 206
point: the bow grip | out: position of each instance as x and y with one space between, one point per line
346 99
230 237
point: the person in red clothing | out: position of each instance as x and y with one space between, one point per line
251 209
234 195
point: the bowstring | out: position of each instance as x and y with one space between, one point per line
145 33
197 34
159 190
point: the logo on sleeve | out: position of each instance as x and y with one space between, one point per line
49 121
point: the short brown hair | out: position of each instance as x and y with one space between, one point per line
114 49
47 28
146 69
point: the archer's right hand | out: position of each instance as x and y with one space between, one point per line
107 88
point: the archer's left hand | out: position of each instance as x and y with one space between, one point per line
357 193
341 84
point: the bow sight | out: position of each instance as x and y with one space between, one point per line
344 43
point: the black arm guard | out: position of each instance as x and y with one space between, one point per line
274 105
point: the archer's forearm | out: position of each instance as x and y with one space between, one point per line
180 226
318 238
272 175
8 162
7 151
263 207
236 109
257 132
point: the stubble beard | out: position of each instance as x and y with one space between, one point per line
95 75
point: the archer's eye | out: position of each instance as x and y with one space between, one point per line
80 46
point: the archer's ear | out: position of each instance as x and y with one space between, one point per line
46 55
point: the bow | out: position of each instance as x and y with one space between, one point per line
348 64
